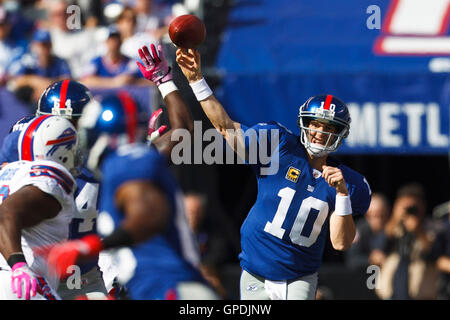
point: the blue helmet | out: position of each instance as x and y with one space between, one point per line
113 121
65 98
328 109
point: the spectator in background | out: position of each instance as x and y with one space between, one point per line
11 47
131 37
408 271
213 244
91 12
75 43
22 24
367 248
113 69
38 69
441 254
152 17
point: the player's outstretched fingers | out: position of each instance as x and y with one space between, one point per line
148 55
185 64
155 55
146 60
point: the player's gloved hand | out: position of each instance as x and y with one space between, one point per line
22 274
61 256
154 133
155 68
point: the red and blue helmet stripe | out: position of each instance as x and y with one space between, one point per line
326 107
62 95
26 143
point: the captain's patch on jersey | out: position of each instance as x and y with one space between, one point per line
293 174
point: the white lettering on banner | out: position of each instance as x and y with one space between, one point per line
363 130
382 125
414 112
435 138
388 124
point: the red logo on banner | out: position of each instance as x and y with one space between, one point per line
415 27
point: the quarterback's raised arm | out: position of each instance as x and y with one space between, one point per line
190 64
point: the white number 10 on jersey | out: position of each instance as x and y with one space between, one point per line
308 205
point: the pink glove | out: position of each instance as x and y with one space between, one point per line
21 273
155 68
154 133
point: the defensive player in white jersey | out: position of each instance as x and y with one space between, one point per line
37 206
68 98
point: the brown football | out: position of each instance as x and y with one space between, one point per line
187 31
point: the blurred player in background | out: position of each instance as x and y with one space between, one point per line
141 207
67 98
284 234
155 68
37 206
77 96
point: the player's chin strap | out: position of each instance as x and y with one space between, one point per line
96 152
316 150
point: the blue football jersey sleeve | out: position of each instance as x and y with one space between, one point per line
359 190
9 151
262 144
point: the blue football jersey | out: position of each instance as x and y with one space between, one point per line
152 268
8 150
284 234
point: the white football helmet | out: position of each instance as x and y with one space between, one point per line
51 138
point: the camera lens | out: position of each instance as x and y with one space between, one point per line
412 210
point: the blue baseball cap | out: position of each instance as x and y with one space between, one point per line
113 31
41 35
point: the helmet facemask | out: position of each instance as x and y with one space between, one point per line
334 140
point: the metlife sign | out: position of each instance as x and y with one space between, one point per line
391 114
390 127
389 60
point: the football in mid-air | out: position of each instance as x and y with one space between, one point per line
187 31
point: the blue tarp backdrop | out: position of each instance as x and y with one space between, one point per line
276 54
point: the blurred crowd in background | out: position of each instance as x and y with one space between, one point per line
44 41
91 41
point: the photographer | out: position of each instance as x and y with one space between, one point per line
408 272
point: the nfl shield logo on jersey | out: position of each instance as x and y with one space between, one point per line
293 174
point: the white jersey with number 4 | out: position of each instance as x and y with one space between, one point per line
53 179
